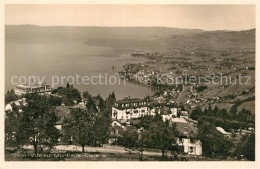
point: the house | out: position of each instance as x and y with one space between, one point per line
58 125
128 108
251 129
174 111
155 110
168 117
9 107
15 105
115 132
187 137
80 105
184 114
191 146
118 124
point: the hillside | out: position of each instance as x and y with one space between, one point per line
215 40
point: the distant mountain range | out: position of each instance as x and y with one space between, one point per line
216 40
91 31
153 38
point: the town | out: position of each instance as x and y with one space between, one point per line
40 120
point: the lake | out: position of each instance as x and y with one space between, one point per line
65 58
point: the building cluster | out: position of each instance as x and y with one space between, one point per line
127 112
16 105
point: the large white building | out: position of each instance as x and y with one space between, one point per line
128 108
38 88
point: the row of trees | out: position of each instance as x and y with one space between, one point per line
214 144
36 124
242 116
222 118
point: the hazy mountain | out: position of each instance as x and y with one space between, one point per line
150 37
102 32
244 40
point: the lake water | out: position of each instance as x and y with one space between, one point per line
47 59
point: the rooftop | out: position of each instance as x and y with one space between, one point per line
129 100
184 128
221 130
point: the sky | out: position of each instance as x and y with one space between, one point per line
207 17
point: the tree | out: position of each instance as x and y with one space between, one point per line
101 104
145 122
69 95
215 111
249 148
130 137
101 126
11 127
246 147
196 113
129 140
222 113
67 85
86 94
214 144
37 123
160 135
111 100
244 115
55 101
10 96
91 104
79 126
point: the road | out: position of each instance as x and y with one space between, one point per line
104 149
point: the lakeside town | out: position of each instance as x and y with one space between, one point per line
188 90
152 128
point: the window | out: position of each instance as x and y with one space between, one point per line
191 149
115 113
